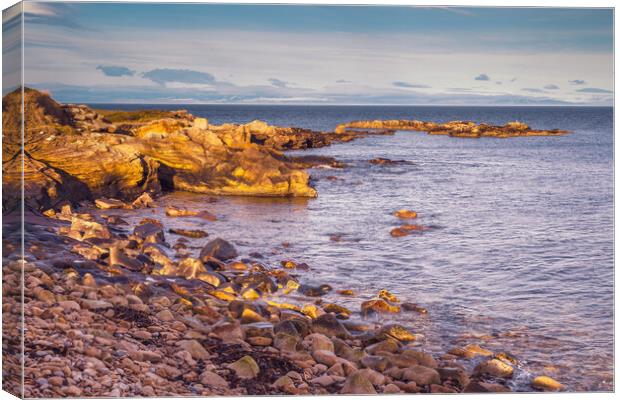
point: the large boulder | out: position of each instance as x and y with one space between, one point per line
220 249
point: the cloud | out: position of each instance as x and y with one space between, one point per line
278 83
402 84
594 90
482 77
533 90
456 10
231 94
577 82
499 82
551 87
513 79
343 81
163 76
51 14
111 70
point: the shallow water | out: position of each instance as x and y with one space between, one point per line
520 254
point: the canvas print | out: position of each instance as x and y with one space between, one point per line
272 199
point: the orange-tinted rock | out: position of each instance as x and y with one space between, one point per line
399 232
406 214
73 159
379 305
466 129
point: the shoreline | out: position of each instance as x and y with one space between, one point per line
103 295
106 315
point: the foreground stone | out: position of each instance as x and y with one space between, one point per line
245 368
546 383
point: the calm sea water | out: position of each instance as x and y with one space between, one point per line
520 254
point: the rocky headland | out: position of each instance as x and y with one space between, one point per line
74 153
114 309
464 129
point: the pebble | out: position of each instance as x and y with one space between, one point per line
144 335
325 357
245 368
326 380
165 315
89 280
318 341
96 304
421 375
56 380
194 348
546 383
72 391
259 341
69 305
44 295
357 383
391 388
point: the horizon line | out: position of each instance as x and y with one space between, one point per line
347 104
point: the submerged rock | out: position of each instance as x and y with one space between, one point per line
219 249
387 161
192 233
399 232
314 291
414 307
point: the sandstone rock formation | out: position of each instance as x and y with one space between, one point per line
73 153
465 129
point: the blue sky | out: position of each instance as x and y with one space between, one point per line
171 53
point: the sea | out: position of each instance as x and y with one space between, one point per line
518 254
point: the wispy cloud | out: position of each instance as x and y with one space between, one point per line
55 14
165 75
402 84
208 63
594 90
457 10
551 87
111 70
533 90
278 83
577 82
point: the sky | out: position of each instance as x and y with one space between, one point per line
199 53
